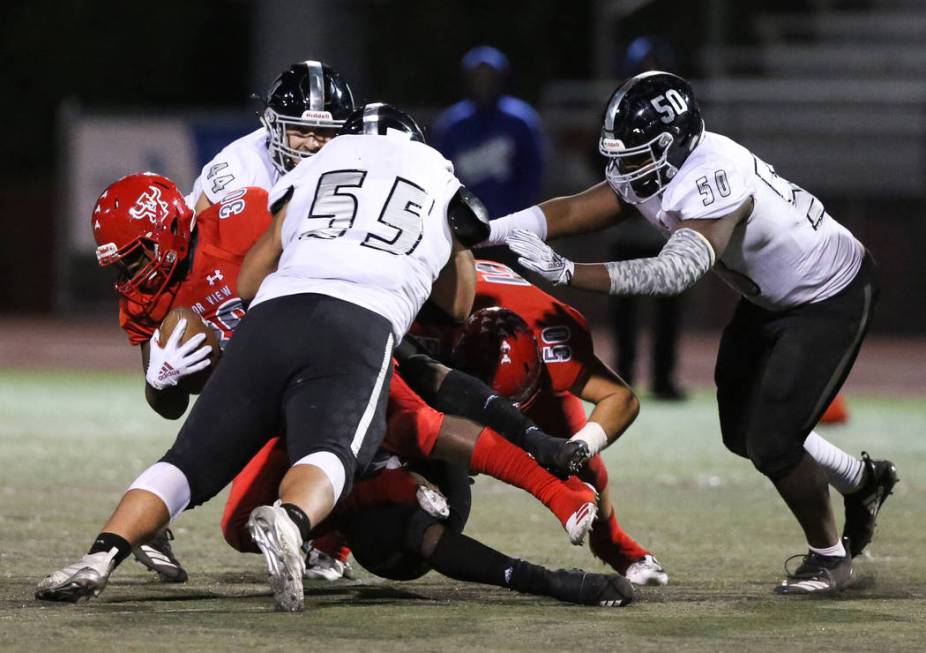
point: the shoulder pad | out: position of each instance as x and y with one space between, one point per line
278 202
468 218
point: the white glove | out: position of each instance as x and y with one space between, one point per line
172 362
536 255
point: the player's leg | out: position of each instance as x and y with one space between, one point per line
485 452
456 393
258 484
224 430
418 431
610 543
334 410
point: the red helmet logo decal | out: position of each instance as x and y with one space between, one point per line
149 205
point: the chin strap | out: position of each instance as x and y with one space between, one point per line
686 257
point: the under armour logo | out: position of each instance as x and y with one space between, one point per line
505 348
149 205
213 278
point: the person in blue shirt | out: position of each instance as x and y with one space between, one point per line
494 140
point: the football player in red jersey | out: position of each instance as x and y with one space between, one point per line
537 352
165 258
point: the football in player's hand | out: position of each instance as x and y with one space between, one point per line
192 383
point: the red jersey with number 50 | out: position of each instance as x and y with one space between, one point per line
223 234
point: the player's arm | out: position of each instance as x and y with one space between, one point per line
202 203
263 256
170 402
616 405
591 210
454 291
688 255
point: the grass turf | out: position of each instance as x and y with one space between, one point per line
70 443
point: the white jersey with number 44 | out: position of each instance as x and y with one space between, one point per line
788 252
243 162
367 223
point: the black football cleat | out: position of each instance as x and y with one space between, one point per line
602 590
158 556
817 574
863 505
572 456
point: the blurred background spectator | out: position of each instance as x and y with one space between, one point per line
832 91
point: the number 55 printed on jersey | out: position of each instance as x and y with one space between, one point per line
400 225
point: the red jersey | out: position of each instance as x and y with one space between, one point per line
223 234
561 332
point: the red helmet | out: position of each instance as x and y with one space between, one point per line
142 225
497 346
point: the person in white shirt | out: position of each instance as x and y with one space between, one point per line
303 109
808 291
360 234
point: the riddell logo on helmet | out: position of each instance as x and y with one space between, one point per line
316 115
105 252
612 145
149 205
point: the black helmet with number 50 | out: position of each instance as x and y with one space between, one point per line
381 119
650 126
309 95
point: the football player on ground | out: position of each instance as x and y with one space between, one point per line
400 526
145 230
537 352
303 109
808 290
360 233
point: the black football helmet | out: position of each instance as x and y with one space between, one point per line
380 119
650 126
308 94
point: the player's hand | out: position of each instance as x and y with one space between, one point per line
173 361
536 255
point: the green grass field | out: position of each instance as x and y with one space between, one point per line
71 443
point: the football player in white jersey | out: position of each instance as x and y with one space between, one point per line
808 291
304 108
360 234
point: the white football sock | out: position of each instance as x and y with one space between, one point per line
844 472
837 550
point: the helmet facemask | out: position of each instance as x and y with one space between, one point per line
641 172
285 157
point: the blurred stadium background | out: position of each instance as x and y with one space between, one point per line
833 92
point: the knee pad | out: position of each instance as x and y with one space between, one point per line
167 482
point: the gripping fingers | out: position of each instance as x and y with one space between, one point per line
198 355
191 344
201 365
176 335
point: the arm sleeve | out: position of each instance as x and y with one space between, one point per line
686 257
531 219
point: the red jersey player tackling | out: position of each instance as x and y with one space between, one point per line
538 352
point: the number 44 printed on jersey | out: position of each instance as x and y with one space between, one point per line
400 225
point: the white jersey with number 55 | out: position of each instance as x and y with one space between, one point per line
366 223
788 252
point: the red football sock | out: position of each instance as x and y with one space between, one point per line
334 544
610 543
497 457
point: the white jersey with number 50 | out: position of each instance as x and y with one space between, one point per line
788 252
367 223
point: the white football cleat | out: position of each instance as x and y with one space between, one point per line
647 571
580 522
433 502
320 565
279 540
84 579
